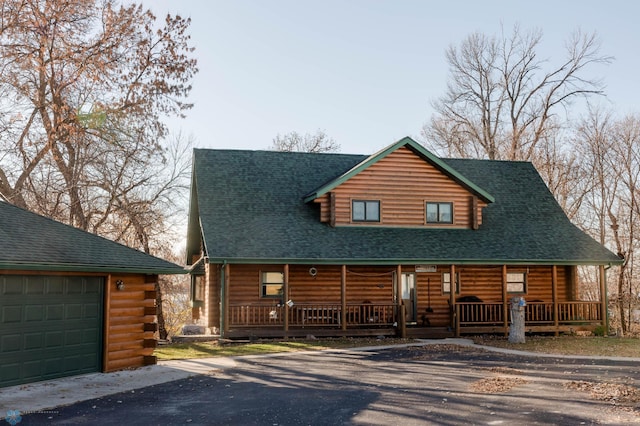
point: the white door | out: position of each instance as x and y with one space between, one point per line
408 283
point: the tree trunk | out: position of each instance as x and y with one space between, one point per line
516 330
621 307
162 330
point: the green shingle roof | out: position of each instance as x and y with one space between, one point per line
32 242
249 207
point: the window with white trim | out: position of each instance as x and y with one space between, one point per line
446 283
516 282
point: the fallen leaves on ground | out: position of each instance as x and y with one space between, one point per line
610 392
504 370
497 384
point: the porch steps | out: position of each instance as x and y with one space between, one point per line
429 332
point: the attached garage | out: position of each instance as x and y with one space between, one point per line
52 327
72 302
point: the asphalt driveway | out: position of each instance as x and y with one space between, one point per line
433 384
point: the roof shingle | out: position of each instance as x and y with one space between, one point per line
33 242
251 209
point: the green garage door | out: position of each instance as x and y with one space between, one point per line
50 326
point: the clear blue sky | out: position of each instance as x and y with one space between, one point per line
365 71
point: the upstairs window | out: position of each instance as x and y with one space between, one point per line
516 282
365 211
272 285
439 212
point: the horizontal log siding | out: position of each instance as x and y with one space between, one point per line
429 286
212 294
125 330
373 284
403 182
484 282
370 284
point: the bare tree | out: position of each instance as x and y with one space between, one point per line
86 85
502 98
175 305
610 156
293 141
84 88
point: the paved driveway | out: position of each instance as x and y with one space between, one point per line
433 384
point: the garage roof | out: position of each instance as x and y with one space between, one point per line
33 242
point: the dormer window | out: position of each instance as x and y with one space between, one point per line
365 211
439 212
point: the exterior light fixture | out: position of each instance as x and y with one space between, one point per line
120 285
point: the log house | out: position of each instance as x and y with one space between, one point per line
397 243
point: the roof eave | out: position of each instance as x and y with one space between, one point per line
398 261
106 269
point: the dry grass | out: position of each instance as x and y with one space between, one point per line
567 345
231 348
570 345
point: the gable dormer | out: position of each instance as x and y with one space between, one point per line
402 185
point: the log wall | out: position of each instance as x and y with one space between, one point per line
371 284
212 294
375 284
130 322
484 282
403 182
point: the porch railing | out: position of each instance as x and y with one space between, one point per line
374 314
255 315
471 314
320 315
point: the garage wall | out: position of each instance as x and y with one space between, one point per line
62 324
130 334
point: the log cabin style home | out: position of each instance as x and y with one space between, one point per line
72 302
397 243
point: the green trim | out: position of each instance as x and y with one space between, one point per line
386 262
107 269
416 147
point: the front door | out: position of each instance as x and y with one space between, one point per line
408 283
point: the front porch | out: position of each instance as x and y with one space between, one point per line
368 319
398 301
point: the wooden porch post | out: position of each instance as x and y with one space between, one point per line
343 296
603 299
285 291
401 319
554 295
505 301
453 286
226 272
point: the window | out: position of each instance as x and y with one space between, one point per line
446 283
439 212
272 285
198 290
516 282
365 211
